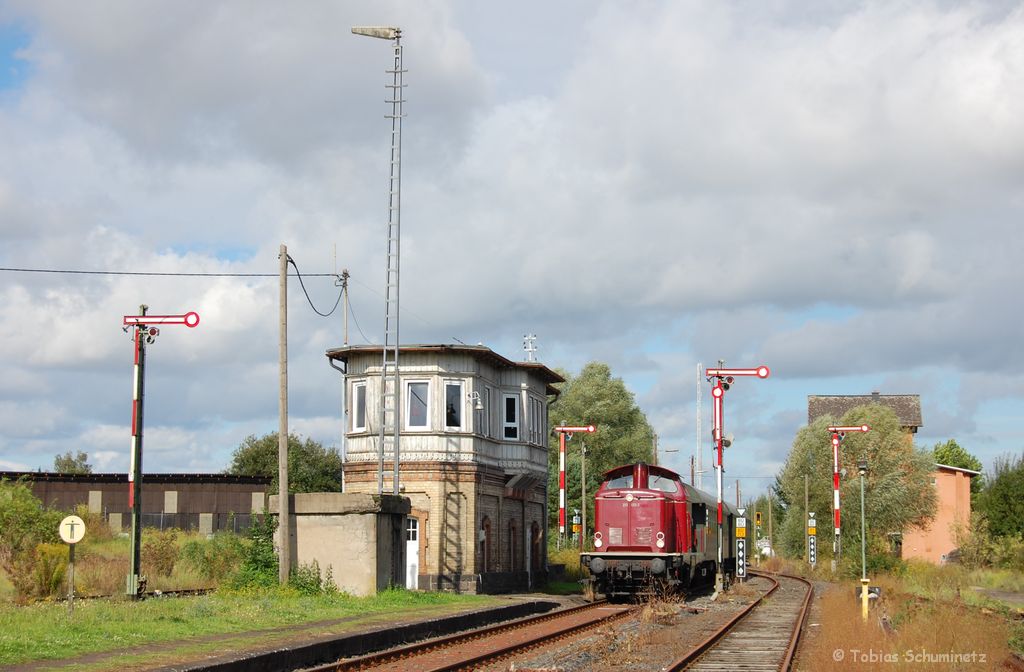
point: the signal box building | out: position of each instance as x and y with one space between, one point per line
473 451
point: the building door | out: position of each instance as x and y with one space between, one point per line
412 553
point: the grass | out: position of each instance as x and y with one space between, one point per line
44 630
922 632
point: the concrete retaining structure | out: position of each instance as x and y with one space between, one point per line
359 537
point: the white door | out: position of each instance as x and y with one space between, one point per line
412 553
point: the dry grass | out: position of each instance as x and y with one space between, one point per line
923 634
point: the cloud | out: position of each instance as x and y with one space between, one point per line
830 190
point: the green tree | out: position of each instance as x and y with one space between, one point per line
311 467
952 454
72 464
24 523
1002 501
898 490
623 435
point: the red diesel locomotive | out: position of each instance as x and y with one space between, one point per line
655 533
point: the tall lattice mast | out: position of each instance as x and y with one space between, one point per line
390 389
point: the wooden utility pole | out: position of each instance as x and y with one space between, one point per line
691 470
771 546
284 513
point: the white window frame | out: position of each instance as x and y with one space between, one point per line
485 415
459 405
408 401
356 388
505 423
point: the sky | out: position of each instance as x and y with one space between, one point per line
831 189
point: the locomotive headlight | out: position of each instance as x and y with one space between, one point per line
660 542
598 543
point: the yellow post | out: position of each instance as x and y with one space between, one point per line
864 599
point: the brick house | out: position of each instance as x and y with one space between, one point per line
474 460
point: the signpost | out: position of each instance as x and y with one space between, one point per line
565 434
723 379
812 546
838 434
741 546
71 530
146 332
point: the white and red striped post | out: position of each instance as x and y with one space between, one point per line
145 332
838 432
722 379
564 434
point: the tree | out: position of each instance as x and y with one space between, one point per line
898 490
311 467
1002 502
623 434
72 464
24 523
952 454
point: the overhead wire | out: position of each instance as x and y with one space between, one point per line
303 285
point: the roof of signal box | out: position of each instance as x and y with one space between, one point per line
481 352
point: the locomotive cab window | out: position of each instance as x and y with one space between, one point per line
625 481
662 483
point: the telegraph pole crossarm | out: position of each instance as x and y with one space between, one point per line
144 333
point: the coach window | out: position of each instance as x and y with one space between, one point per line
511 416
359 407
453 405
417 404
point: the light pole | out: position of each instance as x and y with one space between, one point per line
390 393
862 469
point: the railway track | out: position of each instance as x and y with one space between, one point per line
471 650
764 636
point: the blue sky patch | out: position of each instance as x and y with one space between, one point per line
13 70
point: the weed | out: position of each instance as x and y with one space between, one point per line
159 551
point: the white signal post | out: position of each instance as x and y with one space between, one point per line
722 379
146 332
564 434
838 432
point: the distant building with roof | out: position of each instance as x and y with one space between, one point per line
936 540
907 407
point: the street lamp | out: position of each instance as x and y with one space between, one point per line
389 351
862 469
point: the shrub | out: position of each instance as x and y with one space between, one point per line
259 567
215 558
96 528
159 551
40 573
306 580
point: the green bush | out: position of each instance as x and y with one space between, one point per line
25 524
215 558
306 580
259 567
159 551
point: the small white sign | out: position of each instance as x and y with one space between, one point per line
72 529
741 522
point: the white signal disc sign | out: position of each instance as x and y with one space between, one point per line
72 529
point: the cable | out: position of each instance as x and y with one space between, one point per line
179 275
358 328
292 262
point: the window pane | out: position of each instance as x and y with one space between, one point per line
417 404
359 415
452 405
510 409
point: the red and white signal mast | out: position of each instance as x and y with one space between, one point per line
722 379
146 332
838 432
564 434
